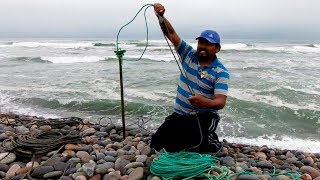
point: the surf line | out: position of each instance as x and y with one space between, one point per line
120 53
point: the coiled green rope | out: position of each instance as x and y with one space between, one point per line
189 165
186 165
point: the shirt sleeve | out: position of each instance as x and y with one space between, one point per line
184 49
222 83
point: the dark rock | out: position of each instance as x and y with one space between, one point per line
60 166
4 167
120 165
247 177
41 170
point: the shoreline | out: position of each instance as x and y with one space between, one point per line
96 151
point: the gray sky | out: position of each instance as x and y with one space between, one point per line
288 19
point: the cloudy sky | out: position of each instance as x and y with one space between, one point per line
286 19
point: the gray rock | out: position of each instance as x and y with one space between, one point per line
229 161
146 150
21 130
111 176
41 170
7 158
141 158
264 164
4 167
134 165
84 156
110 158
100 156
106 165
247 177
74 160
60 166
75 175
307 161
52 174
65 178
3 136
136 174
89 168
111 153
70 171
120 165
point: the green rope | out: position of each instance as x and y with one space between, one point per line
295 175
120 52
186 165
189 165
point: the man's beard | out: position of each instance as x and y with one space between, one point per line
203 55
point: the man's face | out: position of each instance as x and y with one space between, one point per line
205 50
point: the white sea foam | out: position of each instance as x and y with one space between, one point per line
306 49
251 95
73 59
145 94
166 58
283 142
7 105
236 46
62 45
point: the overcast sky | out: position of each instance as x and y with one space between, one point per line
287 19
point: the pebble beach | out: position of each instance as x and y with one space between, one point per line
98 151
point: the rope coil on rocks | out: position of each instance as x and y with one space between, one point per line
186 165
43 142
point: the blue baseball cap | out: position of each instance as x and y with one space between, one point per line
210 35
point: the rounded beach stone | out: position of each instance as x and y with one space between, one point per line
141 158
7 158
71 147
310 170
35 164
247 177
120 165
12 171
89 168
4 167
41 170
52 174
84 156
134 165
136 174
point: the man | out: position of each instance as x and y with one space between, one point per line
201 92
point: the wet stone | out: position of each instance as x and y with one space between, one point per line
41 170
52 174
136 174
4 167
60 166
7 158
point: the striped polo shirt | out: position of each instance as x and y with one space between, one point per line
207 81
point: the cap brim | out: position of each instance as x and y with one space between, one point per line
210 40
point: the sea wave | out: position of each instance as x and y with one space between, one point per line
269 98
62 45
31 59
99 106
62 59
283 142
104 44
73 59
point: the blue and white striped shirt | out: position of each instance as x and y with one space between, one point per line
206 81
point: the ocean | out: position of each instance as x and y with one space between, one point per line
274 91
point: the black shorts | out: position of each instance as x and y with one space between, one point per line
182 133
